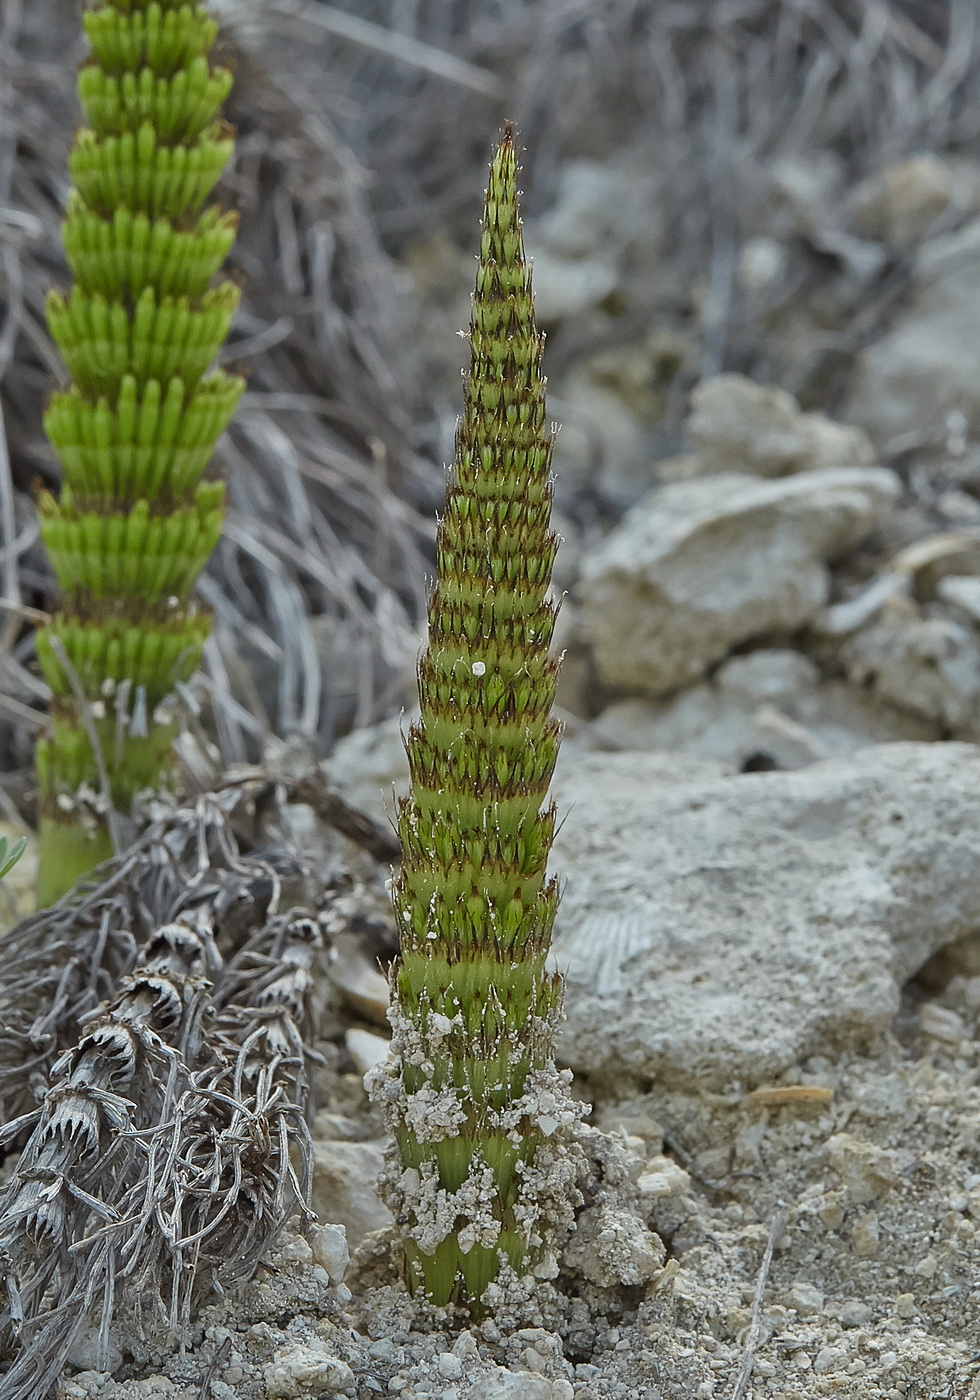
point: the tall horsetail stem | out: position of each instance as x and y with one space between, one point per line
135 523
472 1094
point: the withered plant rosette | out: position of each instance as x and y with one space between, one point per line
135 431
484 1173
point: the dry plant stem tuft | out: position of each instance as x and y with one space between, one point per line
169 1150
59 964
474 1099
135 521
86 1166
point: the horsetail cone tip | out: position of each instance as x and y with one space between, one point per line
471 1091
139 331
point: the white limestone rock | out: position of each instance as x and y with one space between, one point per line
897 204
576 246
520 1385
738 425
365 1049
927 665
962 593
565 286
331 1250
762 262
718 929
928 363
601 440
345 1180
698 566
304 1369
866 1170
612 1248
597 203
371 767
766 709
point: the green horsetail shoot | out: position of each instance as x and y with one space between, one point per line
139 331
484 1176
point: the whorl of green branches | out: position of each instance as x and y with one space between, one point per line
135 432
475 1008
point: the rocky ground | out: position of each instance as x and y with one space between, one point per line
769 787
773 999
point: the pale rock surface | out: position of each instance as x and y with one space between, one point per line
897 204
358 978
805 1298
612 1247
962 593
641 374
717 929
803 187
762 261
607 406
345 1178
738 425
594 200
768 707
600 208
520 1385
573 246
928 363
662 1176
698 566
370 764
774 675
305 1369
866 1170
565 286
601 439
927 665
365 1049
331 1251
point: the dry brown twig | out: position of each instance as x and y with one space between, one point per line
776 1227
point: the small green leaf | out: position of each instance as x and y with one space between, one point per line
10 857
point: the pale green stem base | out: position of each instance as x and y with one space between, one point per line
67 851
